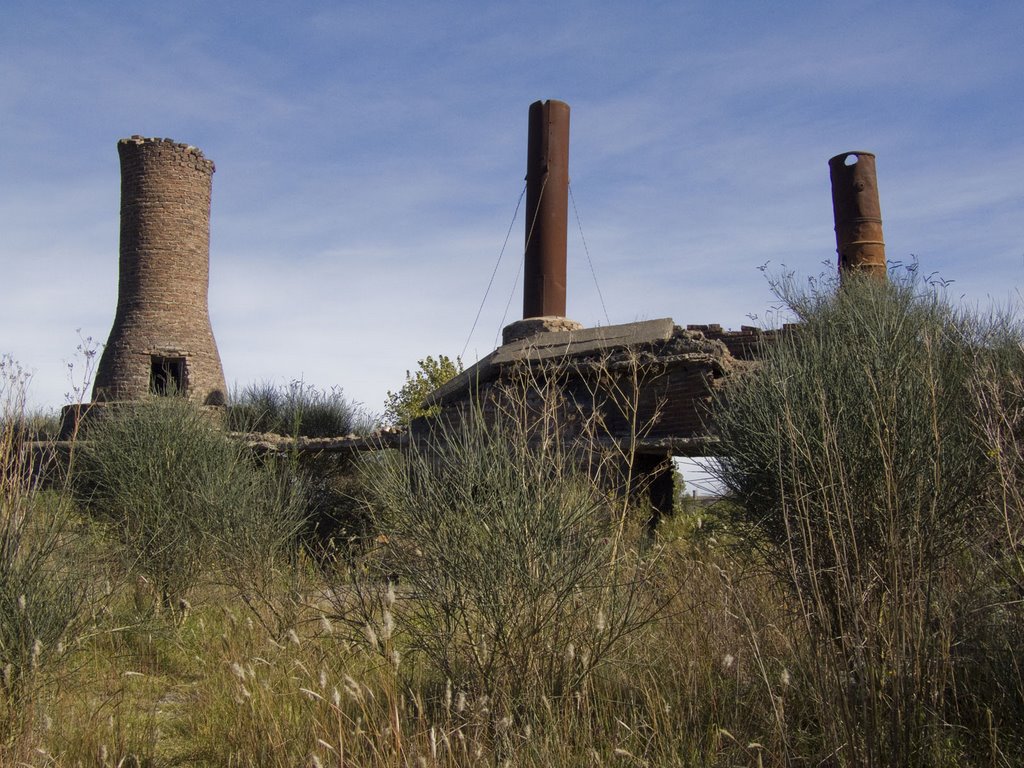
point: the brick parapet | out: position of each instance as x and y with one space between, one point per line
742 344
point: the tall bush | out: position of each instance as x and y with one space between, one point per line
509 570
863 479
998 632
181 497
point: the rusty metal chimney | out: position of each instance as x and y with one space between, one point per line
547 215
857 213
547 209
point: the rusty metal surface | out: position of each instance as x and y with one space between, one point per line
547 209
858 214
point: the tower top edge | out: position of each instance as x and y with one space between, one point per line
162 146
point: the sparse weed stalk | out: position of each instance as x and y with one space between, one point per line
41 598
615 388
590 415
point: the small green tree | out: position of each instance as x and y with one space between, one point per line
401 407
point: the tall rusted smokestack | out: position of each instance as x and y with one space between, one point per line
857 213
547 208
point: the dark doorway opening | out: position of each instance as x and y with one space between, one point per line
167 376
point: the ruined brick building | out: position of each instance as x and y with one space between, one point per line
647 384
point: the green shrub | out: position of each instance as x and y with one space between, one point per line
860 473
181 497
332 515
513 578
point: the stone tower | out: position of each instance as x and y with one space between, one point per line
162 342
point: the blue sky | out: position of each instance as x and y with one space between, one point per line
370 156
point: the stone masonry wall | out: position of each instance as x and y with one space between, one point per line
162 308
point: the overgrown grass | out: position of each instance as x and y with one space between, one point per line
218 689
858 601
41 598
298 409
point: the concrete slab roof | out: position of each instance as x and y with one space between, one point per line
558 345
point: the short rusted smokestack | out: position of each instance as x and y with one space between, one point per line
547 207
858 215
